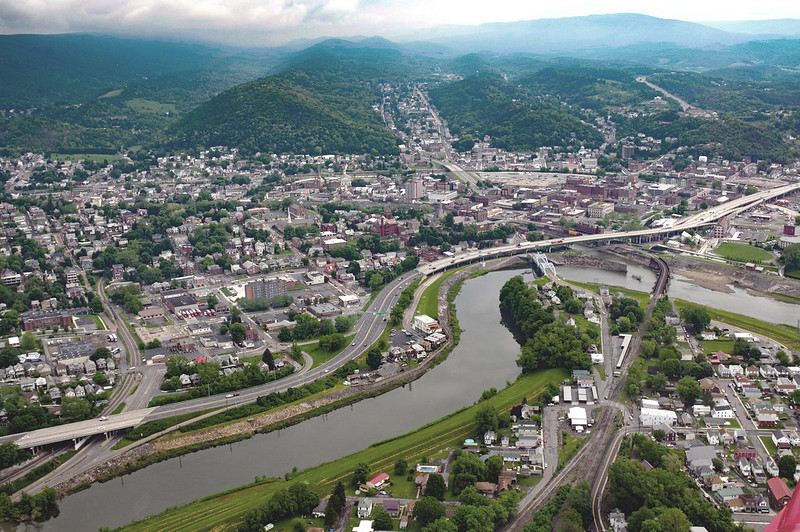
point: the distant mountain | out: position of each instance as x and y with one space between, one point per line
322 106
39 70
486 104
784 26
577 33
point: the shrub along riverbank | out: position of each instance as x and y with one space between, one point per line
225 509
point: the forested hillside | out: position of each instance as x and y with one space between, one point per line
322 107
486 104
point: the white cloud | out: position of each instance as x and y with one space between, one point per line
259 21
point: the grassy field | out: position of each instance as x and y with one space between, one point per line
569 446
784 334
223 510
742 252
321 356
78 157
429 302
712 346
142 105
111 94
97 321
769 444
642 297
119 409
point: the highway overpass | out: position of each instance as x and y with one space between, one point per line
371 326
79 431
701 219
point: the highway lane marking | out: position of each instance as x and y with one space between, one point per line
603 477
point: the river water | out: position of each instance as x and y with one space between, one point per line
739 301
485 358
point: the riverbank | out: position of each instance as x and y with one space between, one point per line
716 276
226 509
586 261
176 444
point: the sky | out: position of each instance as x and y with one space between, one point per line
267 22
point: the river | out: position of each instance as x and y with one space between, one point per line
485 358
739 301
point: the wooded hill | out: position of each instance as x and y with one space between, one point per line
325 106
486 104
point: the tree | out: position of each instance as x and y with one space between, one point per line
268 359
671 367
208 372
285 334
9 322
374 358
441 525
100 378
336 504
400 468
486 418
27 341
212 301
360 473
673 520
9 454
696 316
237 332
305 500
153 344
689 390
435 487
494 466
332 342
96 305
786 466
376 281
427 510
75 409
381 520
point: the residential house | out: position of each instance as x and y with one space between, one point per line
365 507
779 493
744 466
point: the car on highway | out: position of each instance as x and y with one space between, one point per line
103 418
229 396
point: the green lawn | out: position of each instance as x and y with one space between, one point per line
784 334
429 302
642 297
769 444
119 409
569 446
97 321
149 106
224 510
321 356
742 252
712 346
78 157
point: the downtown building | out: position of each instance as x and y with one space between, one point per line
265 289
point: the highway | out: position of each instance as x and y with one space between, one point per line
368 330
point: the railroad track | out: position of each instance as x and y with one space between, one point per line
587 462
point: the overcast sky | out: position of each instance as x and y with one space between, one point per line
258 22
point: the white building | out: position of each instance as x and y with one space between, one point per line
578 419
650 416
425 324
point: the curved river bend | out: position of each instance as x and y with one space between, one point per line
485 358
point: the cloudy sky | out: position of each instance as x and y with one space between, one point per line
257 22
